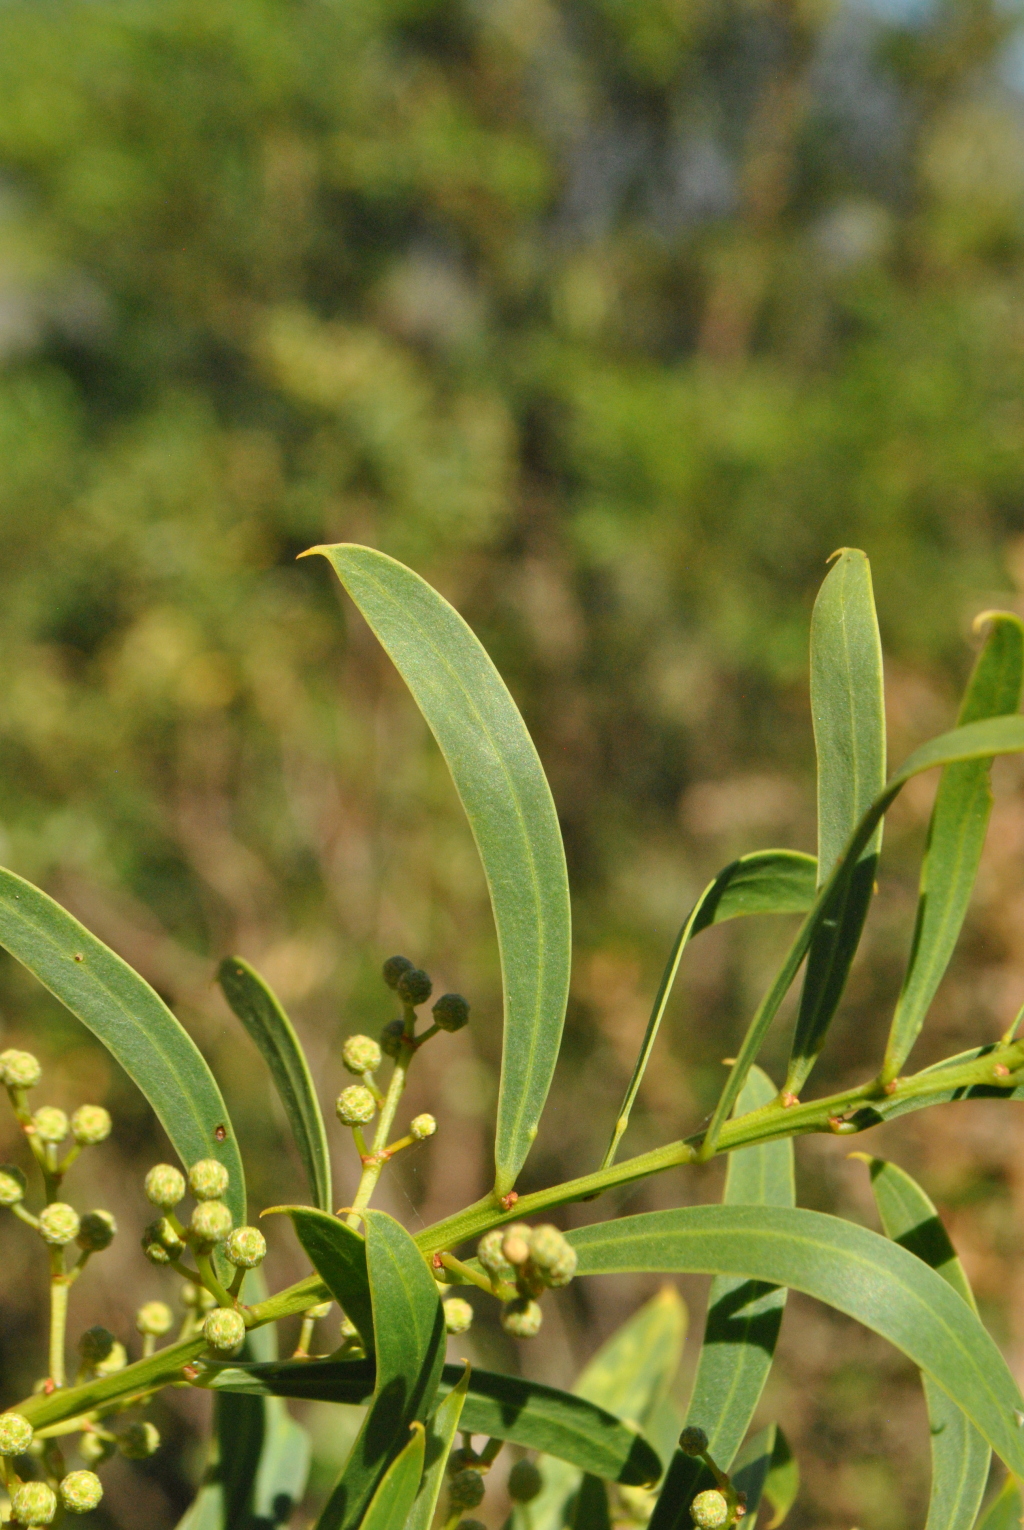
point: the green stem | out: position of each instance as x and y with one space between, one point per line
205 1267
471 1277
59 1286
372 1170
301 1351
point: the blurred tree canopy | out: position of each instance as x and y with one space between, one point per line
614 318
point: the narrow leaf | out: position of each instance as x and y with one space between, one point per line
591 1511
505 793
767 882
393 1500
130 1019
742 1327
284 1466
887 1110
854 1270
266 1022
960 1456
338 1254
506 1407
750 1472
409 1334
782 1483
1006 1510
848 711
630 1375
441 1431
956 837
976 741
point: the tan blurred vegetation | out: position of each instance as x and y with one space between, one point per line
614 318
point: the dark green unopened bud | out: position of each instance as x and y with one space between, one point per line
34 1503
710 1510
246 1247
208 1179
524 1482
15 1434
392 970
139 1441
90 1124
19 1070
12 1185
391 1038
466 1490
470 1524
80 1492
160 1242
211 1221
693 1441
165 1186
224 1329
95 1345
59 1224
97 1231
451 1012
414 986
50 1124
522 1318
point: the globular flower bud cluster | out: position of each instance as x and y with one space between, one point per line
161 1242
19 1070
693 1441
531 1259
12 1185
710 1510
458 1315
154 1318
197 1298
33 1503
95 1345
524 1482
391 971
391 1038
208 1179
451 1012
96 1232
94 1449
356 1105
421 1127
224 1330
414 987
245 1248
90 1125
165 1186
81 1492
361 1054
466 1490
115 1361
210 1221
59 1224
139 1441
16 1434
50 1124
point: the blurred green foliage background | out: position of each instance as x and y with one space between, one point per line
614 318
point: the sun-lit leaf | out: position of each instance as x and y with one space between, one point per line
960 1456
866 1276
1006 1510
440 1438
976 741
409 1334
338 1254
393 1500
766 882
848 712
741 1329
630 1376
956 837
266 1022
505 793
130 1019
